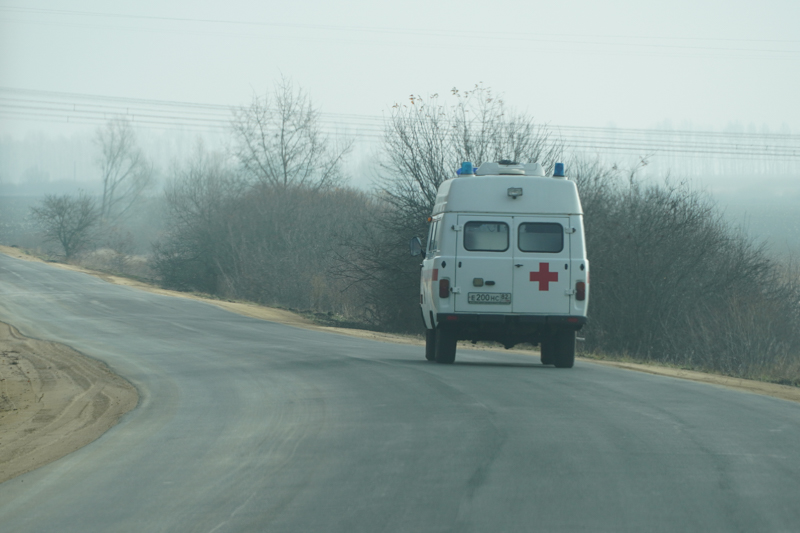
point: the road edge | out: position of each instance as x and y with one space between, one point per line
784 392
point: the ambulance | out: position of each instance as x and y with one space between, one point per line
505 261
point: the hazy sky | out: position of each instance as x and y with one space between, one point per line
587 63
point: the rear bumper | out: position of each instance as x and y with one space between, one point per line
565 321
508 329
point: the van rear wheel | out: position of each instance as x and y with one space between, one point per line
446 340
564 349
546 348
430 344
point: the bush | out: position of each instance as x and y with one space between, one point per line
256 241
68 221
672 282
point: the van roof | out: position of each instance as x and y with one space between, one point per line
490 194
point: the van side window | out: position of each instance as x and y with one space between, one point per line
486 236
433 241
437 234
545 237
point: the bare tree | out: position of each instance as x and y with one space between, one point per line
484 129
425 140
67 221
125 172
279 141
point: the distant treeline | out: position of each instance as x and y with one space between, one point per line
273 221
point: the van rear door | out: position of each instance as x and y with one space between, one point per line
542 276
484 263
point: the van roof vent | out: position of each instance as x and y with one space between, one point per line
509 168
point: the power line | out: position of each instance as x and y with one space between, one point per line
652 131
83 96
583 147
127 103
638 149
75 108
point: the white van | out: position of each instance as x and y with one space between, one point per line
505 261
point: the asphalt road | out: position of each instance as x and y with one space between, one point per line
246 425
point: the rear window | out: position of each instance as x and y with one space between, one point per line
486 236
545 237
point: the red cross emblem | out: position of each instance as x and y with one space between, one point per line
544 276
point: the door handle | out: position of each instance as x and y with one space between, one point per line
518 265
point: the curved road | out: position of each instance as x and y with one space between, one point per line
246 425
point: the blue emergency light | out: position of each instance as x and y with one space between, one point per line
466 168
559 170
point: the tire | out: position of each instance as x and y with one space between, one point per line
430 344
564 356
546 348
445 352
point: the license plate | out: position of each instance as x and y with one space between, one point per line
503 298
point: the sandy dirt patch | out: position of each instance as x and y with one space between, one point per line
53 401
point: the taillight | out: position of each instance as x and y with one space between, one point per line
580 291
444 288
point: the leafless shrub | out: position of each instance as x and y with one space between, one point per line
107 260
283 241
671 281
377 265
67 221
120 242
195 254
255 241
